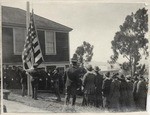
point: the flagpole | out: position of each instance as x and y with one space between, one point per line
27 26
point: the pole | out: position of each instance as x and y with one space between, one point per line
27 26
1 91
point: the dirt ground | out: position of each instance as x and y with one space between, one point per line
16 107
46 103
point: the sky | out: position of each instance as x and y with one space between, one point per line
94 22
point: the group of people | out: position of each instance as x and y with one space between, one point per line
114 92
11 77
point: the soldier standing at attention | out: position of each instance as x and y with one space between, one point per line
106 90
123 93
135 96
98 85
34 81
55 77
72 76
114 94
23 80
142 93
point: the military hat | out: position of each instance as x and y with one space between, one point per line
122 76
115 75
74 58
89 67
107 74
96 68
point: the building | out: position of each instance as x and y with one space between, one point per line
53 38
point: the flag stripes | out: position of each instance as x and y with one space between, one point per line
32 55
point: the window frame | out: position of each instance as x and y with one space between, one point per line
47 53
14 40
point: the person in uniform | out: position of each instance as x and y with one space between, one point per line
98 87
123 93
23 80
114 95
142 94
130 99
89 86
72 81
135 90
55 77
106 89
34 81
5 77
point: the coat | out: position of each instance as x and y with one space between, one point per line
89 88
106 87
56 77
142 94
130 99
98 83
135 95
23 77
89 83
114 95
72 77
123 93
35 76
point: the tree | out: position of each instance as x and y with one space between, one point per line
130 41
84 52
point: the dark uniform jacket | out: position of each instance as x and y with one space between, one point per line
98 82
106 86
123 93
23 77
56 76
114 94
141 89
142 94
89 83
35 76
72 76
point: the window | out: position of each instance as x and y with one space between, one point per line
19 35
50 43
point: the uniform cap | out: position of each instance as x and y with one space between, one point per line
74 58
96 68
107 74
89 67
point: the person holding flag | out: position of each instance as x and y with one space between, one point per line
32 56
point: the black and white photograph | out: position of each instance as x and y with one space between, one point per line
74 57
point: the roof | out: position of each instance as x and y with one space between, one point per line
17 17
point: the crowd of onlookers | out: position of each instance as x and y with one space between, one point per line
115 92
112 91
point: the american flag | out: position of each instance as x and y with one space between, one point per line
32 55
